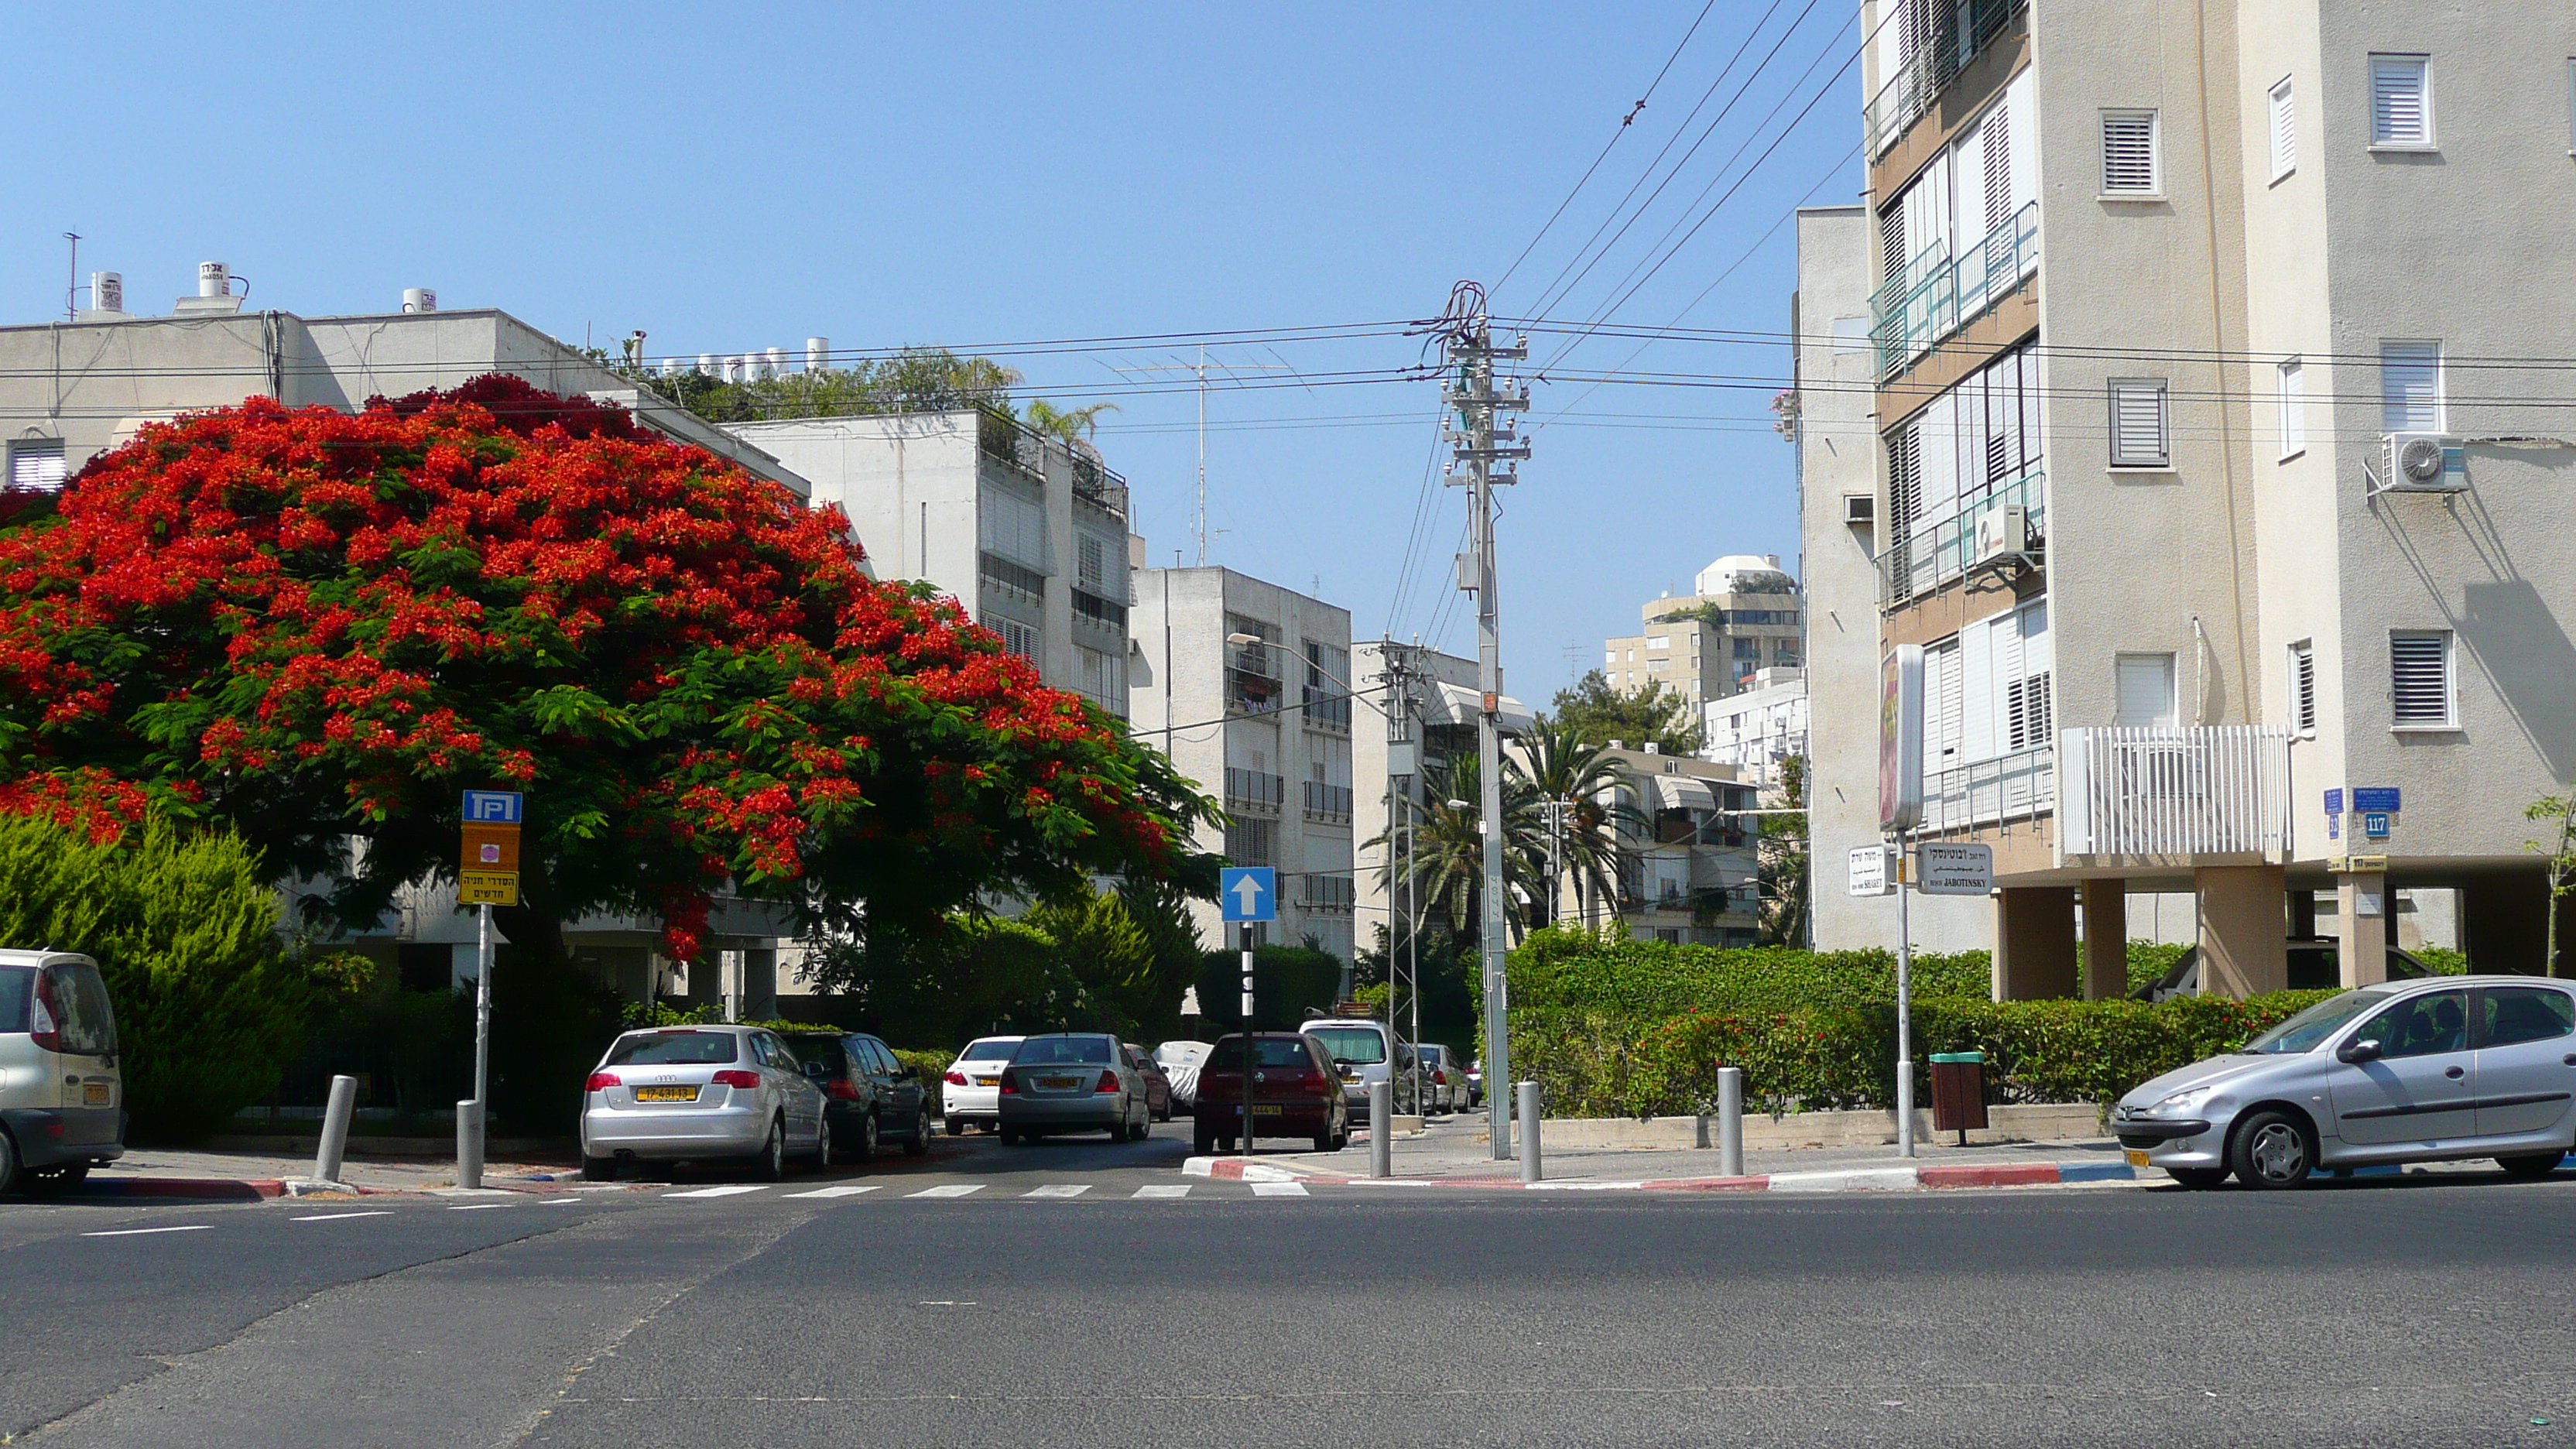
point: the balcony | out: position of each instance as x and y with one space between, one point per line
1012 443
1018 581
1330 804
1931 557
2018 786
1940 37
1327 709
1936 294
2221 790
1091 608
1253 790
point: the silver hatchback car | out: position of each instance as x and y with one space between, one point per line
701 1094
2414 1071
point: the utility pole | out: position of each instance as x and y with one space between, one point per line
1477 444
1404 761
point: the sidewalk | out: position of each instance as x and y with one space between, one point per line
208 1172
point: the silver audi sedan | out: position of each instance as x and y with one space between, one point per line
2414 1071
701 1094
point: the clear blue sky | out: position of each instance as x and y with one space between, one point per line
728 178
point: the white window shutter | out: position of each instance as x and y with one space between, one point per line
1998 158
2401 112
2129 152
2294 408
2410 387
2303 687
36 465
2285 131
2420 678
2138 423
2146 690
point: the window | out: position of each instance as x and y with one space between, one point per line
2285 131
2294 408
2420 1026
2401 101
2303 687
2517 1014
2146 690
1252 842
2419 679
1748 649
2410 387
1613 659
1659 641
2129 159
2571 105
1017 638
36 465
2138 430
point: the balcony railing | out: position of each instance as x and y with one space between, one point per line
1328 803
1937 294
1254 790
1017 580
1941 37
1094 609
1924 560
2018 786
2215 790
1007 440
1327 709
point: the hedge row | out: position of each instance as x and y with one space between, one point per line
1594 1063
1566 968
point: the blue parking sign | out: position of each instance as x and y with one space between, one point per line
1249 894
492 807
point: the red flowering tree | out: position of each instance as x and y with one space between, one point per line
320 628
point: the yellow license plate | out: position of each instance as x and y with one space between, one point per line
1259 1110
2136 1158
1059 1084
666 1094
95 1094
988 1081
1350 1076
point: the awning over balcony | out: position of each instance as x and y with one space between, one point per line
1681 792
1458 705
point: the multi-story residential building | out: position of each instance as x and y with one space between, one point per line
1689 873
1759 727
1742 618
1419 713
1028 532
1247 687
2219 441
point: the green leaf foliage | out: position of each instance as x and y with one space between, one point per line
210 1004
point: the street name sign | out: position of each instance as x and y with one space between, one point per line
1869 872
1956 870
1249 894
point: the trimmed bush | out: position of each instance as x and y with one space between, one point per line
1565 967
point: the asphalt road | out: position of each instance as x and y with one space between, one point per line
2418 1312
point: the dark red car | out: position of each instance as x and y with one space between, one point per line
1294 1094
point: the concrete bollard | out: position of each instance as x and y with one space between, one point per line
469 1143
1381 1095
335 1129
1730 1121
1531 1169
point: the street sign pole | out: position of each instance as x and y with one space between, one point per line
487 874
1904 1000
1247 895
1248 1055
469 1126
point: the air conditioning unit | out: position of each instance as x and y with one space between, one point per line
2422 463
1860 508
2003 535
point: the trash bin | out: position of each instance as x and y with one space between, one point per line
1958 1092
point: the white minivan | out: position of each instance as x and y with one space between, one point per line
62 1100
1363 1052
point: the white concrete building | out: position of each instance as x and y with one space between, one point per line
1759 727
1687 876
2220 461
1269 723
1742 617
1028 533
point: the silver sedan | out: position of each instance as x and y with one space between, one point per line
2414 1071
1072 1082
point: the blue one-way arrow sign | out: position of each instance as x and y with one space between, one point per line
1249 893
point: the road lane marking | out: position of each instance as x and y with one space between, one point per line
136 1232
1279 1189
476 1207
954 1189
840 1191
1059 1189
730 1190
1163 1190
562 1201
341 1217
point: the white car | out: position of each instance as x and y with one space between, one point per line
701 1094
1181 1061
971 1089
1364 1052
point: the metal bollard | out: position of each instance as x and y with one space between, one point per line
1382 1128
469 1143
1531 1171
1730 1121
335 1129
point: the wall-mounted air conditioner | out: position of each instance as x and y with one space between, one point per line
2422 463
1860 508
2003 535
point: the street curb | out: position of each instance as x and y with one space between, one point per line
204 1189
1835 1180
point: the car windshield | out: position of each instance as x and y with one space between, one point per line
1351 1043
674 1049
995 1049
1268 1051
1044 1051
2307 1030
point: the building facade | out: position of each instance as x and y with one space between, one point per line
2218 459
1759 728
1247 687
1688 863
1028 532
1742 618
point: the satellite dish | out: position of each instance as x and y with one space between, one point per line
2420 460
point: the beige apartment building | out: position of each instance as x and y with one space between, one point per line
2220 474
1741 617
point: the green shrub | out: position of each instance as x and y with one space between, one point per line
2442 960
210 1004
1566 967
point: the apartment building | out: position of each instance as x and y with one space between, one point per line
1688 862
1247 687
1742 616
2214 482
1028 532
1758 728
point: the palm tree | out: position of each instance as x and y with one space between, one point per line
1072 426
1447 855
1558 764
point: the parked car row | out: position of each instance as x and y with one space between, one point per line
717 1093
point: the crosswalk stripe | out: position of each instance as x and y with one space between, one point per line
729 1190
138 1232
1165 1190
476 1207
1060 1189
340 1217
954 1189
844 1191
1279 1189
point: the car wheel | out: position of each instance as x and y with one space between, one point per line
918 1144
1324 1141
2198 1179
60 1178
771 1164
1202 1144
2535 1165
822 1158
1010 1138
599 1169
865 1149
12 1176
956 1126
2272 1150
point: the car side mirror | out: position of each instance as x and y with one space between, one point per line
2354 1053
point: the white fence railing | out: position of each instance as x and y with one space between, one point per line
2018 786
2216 790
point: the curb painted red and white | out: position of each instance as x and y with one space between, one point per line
1849 1179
